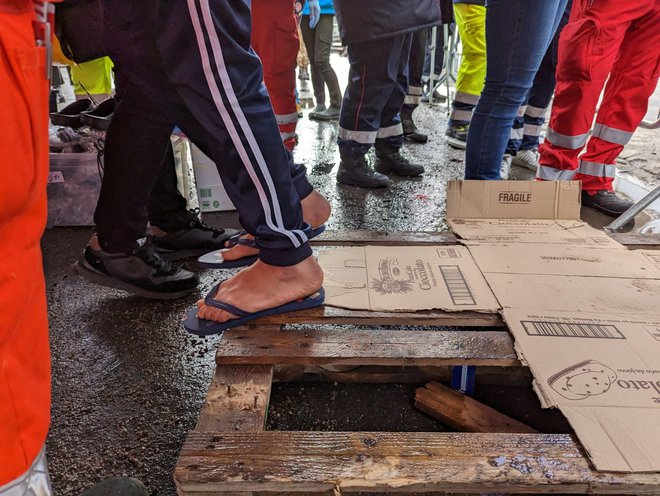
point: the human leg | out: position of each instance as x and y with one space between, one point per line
372 79
414 91
471 24
275 39
322 47
525 28
309 40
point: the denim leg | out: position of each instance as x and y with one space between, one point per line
518 33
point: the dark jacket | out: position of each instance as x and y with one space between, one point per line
368 20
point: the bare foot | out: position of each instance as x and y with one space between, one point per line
262 286
316 211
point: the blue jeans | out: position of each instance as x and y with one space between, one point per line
518 33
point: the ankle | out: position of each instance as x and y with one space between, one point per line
316 209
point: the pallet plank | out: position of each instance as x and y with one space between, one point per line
637 240
366 347
333 315
237 399
464 413
314 462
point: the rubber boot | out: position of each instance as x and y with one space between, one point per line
390 161
410 131
354 170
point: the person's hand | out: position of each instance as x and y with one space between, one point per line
314 13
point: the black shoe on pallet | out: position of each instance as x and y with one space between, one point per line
196 239
140 271
607 202
390 161
357 172
410 130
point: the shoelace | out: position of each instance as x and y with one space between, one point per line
147 253
197 222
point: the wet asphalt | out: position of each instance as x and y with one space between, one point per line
129 382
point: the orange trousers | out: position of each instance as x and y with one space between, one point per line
24 353
275 39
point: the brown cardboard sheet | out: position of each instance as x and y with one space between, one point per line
401 278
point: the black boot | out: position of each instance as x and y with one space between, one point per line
410 131
118 486
606 202
390 161
356 171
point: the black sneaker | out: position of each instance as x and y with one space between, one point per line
457 136
141 271
357 172
390 161
607 202
193 241
118 486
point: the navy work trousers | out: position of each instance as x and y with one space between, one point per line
190 65
377 86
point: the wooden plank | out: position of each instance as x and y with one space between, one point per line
366 347
333 315
637 240
237 399
376 374
385 238
345 237
280 461
464 413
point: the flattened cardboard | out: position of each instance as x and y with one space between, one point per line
584 312
486 212
567 260
392 278
603 372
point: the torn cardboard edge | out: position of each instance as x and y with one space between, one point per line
390 278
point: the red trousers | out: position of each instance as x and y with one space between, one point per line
613 41
275 39
24 353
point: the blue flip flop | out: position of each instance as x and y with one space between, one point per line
203 327
214 260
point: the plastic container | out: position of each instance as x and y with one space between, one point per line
211 193
73 189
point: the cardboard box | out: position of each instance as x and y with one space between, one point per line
584 312
386 278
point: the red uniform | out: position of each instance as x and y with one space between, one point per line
275 39
24 354
617 41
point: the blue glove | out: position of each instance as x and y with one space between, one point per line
314 13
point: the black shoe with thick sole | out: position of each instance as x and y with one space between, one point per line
607 202
195 240
70 116
457 136
357 172
141 272
390 161
410 130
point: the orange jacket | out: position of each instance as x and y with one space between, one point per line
24 353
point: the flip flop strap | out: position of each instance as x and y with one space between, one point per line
238 239
210 301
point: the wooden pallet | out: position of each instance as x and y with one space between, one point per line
229 452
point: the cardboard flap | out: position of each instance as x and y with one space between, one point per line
400 278
550 200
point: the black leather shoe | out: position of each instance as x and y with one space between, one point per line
358 172
140 271
99 118
410 131
390 161
196 239
70 115
607 202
